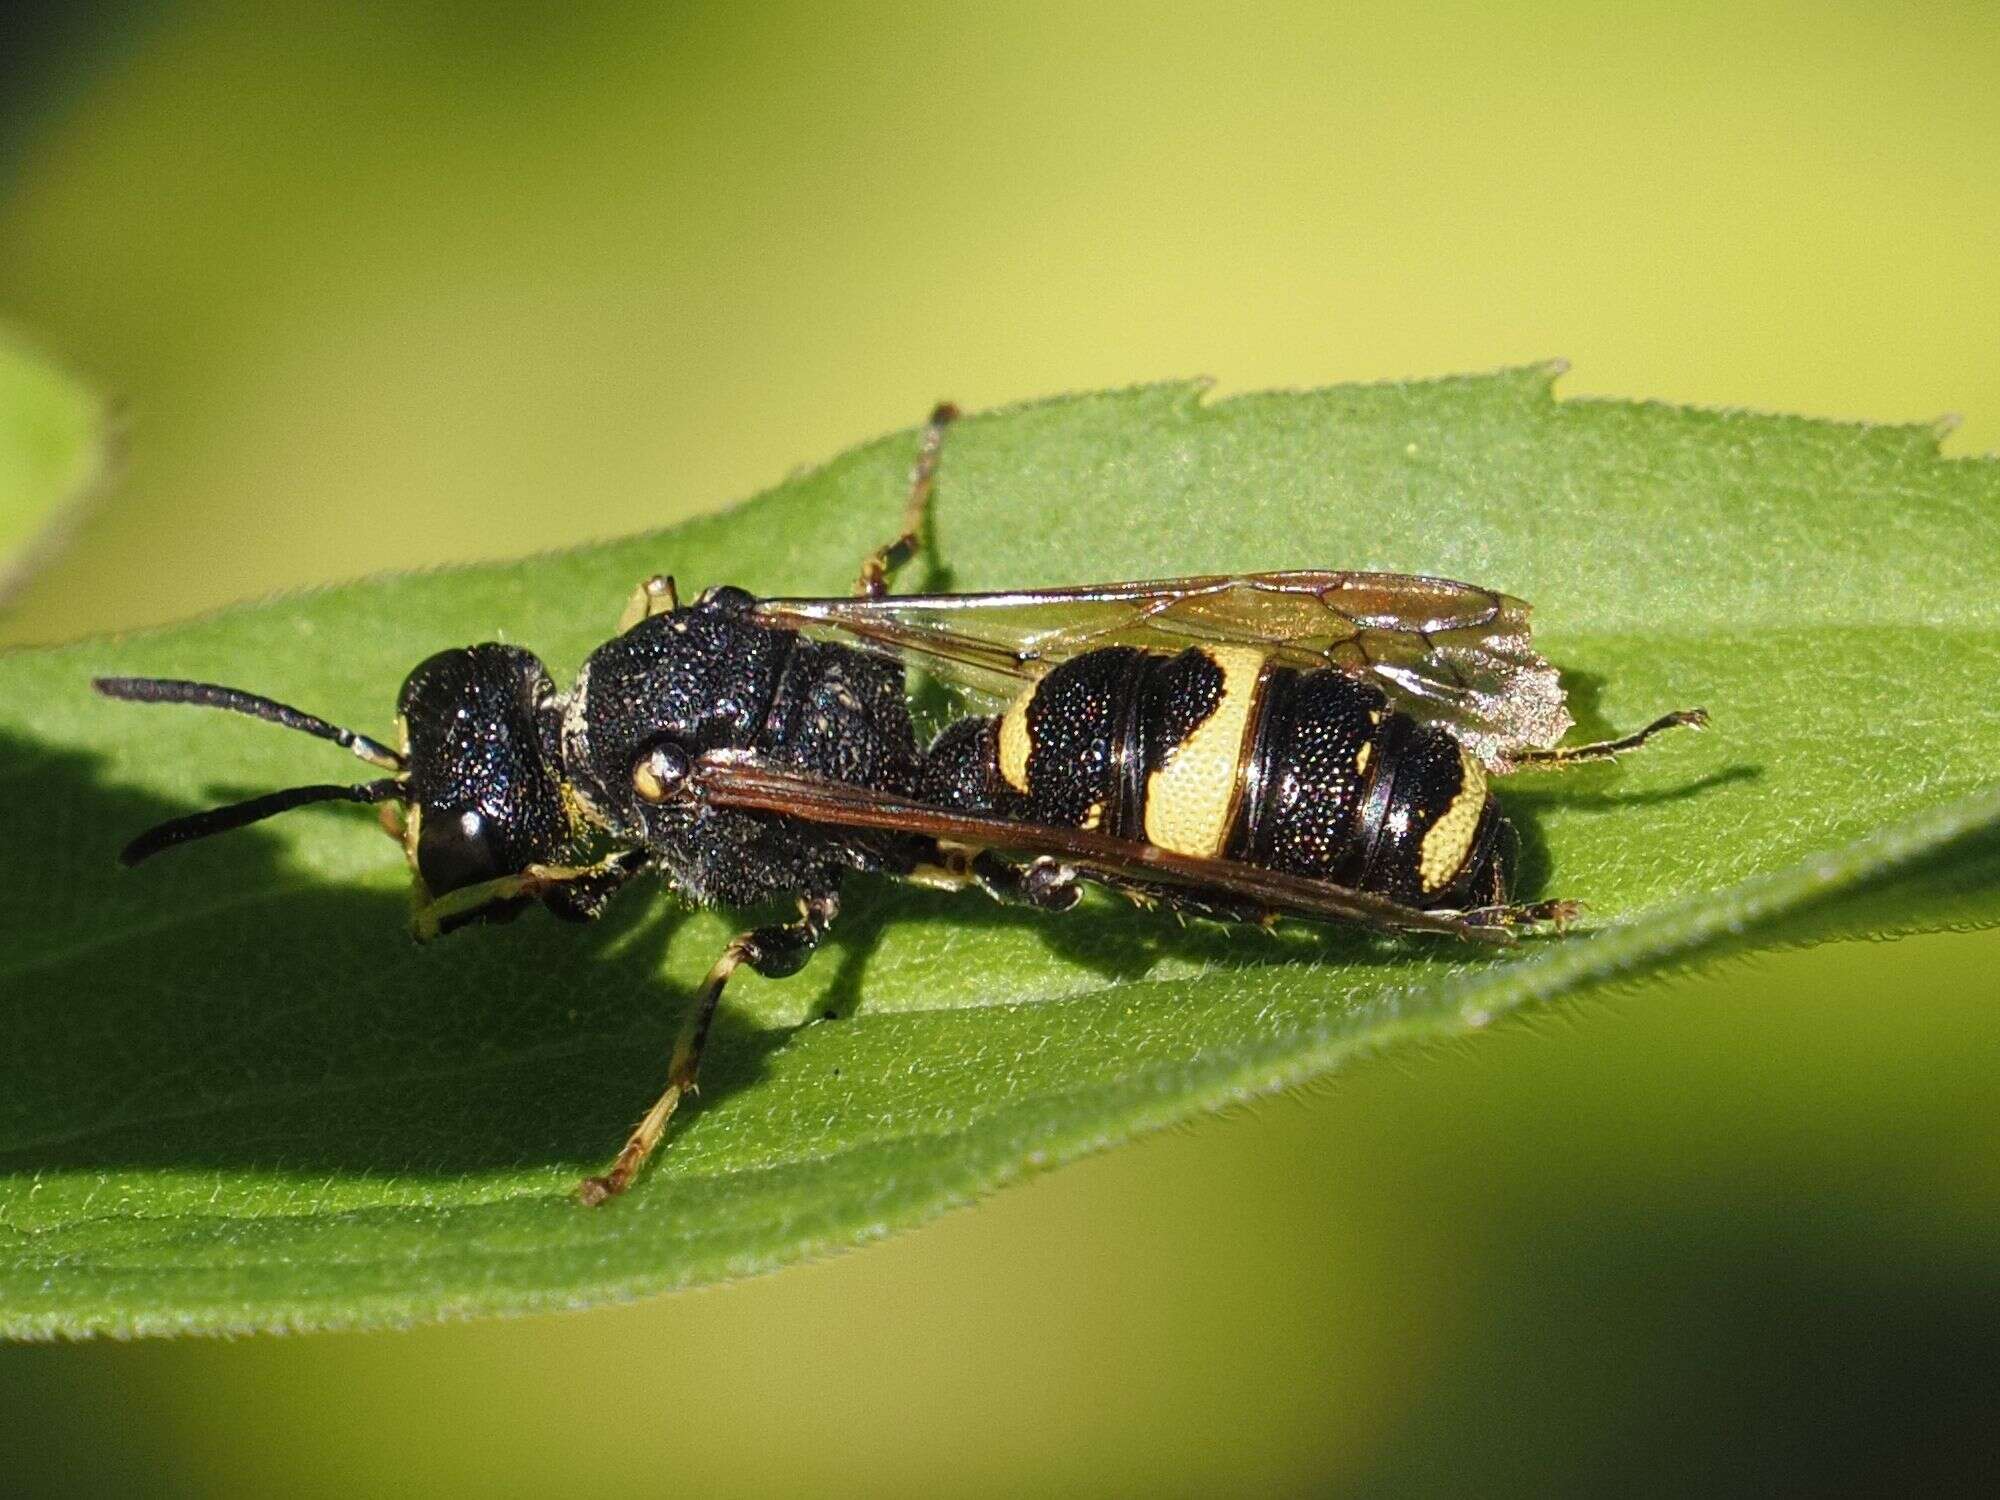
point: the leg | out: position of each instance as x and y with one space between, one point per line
1531 760
578 892
1045 884
1556 914
1185 903
874 580
774 952
656 596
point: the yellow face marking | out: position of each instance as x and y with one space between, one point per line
1191 798
1093 816
1449 840
1016 742
1361 758
413 825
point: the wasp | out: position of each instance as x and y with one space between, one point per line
1314 745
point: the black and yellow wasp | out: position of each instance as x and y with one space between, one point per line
1314 744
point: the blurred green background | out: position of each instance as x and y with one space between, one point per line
392 285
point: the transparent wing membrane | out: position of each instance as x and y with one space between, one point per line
1448 653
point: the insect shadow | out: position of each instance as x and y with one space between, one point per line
241 1008
1595 787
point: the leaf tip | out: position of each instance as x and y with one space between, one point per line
1194 394
1535 382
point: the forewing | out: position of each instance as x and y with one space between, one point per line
729 779
1449 653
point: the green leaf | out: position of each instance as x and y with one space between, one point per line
233 1095
51 455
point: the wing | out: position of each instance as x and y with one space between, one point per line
730 779
1445 652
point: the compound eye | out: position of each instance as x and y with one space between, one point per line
457 849
659 774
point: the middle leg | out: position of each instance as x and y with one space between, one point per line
775 952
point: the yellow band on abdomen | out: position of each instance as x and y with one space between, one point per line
1015 741
1448 841
1191 798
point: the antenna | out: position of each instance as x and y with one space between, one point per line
240 814
209 695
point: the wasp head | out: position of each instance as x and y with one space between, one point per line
477 789
481 729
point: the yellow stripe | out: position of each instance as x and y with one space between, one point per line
1191 798
1015 741
1449 840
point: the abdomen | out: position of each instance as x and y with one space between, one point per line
1218 752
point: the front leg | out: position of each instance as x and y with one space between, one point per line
656 596
776 952
578 893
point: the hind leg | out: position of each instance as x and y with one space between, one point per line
1543 760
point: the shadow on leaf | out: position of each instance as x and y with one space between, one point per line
225 1006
